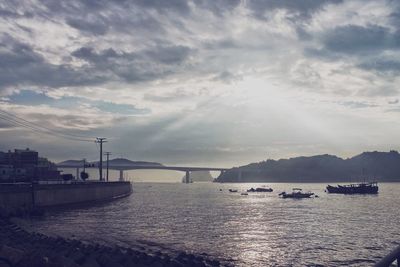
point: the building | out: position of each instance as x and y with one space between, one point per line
24 165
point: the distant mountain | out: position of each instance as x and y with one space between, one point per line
380 166
112 162
199 176
71 162
122 161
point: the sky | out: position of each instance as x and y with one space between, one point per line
203 82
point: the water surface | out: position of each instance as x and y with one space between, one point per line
260 229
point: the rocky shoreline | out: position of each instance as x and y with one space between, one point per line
21 248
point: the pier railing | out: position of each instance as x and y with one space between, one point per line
390 258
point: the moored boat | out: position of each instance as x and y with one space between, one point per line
361 188
260 189
296 193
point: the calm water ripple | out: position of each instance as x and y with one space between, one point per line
255 230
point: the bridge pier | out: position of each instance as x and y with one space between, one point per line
77 174
121 175
187 177
239 175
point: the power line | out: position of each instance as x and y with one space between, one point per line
39 131
15 120
41 126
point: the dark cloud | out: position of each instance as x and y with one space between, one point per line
218 7
21 65
178 6
13 14
227 77
381 65
95 26
301 9
151 63
169 54
354 39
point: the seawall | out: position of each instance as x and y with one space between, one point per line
23 196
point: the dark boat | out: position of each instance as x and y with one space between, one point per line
362 188
233 190
260 189
297 193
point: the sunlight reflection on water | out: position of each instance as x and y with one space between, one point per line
260 229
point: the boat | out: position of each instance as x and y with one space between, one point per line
296 193
244 194
260 189
361 188
233 190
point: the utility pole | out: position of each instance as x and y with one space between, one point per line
101 140
108 156
84 165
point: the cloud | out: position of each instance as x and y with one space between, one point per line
32 98
354 39
22 66
155 70
381 65
358 104
95 26
149 64
303 9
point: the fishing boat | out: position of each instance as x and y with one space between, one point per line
296 193
259 189
233 190
361 188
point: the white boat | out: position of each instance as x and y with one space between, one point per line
296 193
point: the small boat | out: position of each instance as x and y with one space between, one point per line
296 193
244 194
259 189
361 188
233 190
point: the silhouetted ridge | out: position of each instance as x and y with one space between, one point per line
122 161
380 166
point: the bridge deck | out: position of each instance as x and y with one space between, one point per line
149 167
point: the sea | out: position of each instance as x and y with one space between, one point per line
258 229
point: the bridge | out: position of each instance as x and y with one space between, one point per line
124 167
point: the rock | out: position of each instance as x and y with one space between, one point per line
213 262
106 261
33 260
174 263
156 264
77 256
90 262
60 261
13 255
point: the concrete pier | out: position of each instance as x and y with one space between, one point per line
16 196
187 177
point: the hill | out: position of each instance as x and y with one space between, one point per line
380 166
